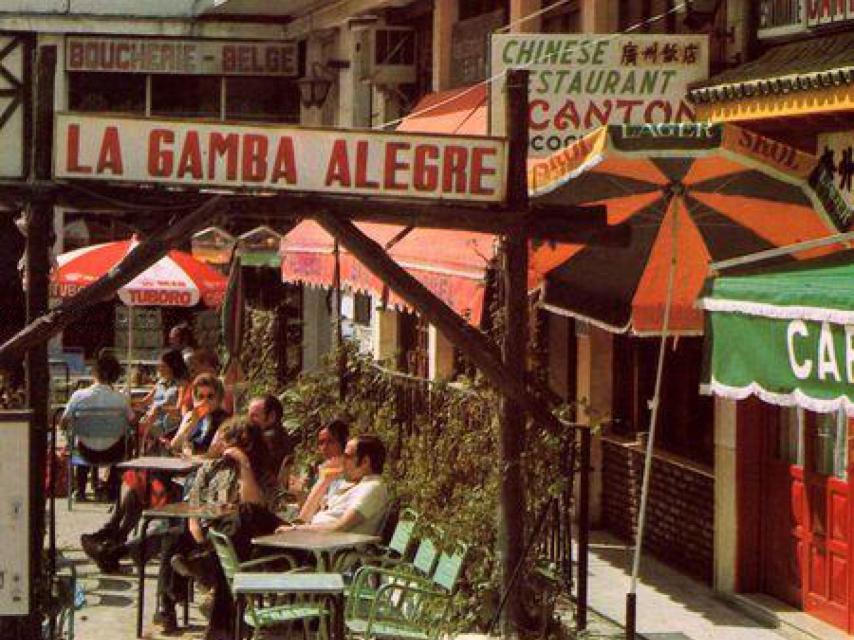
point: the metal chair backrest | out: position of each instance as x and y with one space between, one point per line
106 422
425 556
403 534
230 564
450 566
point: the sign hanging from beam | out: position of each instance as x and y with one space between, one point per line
331 161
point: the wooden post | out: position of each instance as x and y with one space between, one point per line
511 439
340 355
39 216
583 531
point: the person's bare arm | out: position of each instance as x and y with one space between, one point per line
184 431
250 489
315 497
349 521
196 530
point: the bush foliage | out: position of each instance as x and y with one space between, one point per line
442 442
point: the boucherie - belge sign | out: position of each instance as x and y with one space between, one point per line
261 157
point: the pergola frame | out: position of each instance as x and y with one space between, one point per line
514 220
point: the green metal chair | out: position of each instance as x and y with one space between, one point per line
398 546
263 617
408 605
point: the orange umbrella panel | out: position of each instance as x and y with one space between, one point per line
693 193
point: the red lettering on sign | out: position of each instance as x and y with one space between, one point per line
254 157
479 171
533 123
219 145
285 164
160 160
362 181
110 157
393 165
191 157
426 173
454 169
338 169
72 152
160 297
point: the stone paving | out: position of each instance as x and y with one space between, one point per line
671 606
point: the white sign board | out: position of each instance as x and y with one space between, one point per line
837 153
14 513
269 157
188 57
580 82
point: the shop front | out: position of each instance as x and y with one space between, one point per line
780 342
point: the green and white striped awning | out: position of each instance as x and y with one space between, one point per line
784 334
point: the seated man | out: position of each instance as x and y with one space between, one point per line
358 507
101 395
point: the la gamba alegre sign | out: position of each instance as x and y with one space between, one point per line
259 157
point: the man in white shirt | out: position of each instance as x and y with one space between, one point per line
360 506
108 447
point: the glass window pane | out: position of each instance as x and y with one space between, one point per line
829 445
185 96
106 92
789 443
840 458
261 99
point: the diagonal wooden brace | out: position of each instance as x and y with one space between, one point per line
478 347
145 254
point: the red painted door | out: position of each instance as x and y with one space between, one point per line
826 575
806 519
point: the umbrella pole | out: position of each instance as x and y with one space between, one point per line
631 596
130 350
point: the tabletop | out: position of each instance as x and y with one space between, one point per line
185 510
311 583
161 463
315 541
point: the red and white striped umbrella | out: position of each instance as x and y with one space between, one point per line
176 280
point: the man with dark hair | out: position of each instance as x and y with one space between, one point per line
359 507
108 448
266 412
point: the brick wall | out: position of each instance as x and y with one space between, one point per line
680 508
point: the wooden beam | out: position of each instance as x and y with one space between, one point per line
144 255
587 225
474 344
514 348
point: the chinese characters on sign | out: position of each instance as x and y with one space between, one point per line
578 83
192 57
837 159
126 149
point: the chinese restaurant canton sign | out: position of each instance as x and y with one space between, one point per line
279 158
578 83
191 57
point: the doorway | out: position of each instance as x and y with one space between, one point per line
805 515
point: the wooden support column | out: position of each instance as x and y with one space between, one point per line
511 438
39 216
145 254
474 344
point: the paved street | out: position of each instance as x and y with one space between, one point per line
110 600
671 605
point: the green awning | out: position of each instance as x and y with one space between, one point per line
784 334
